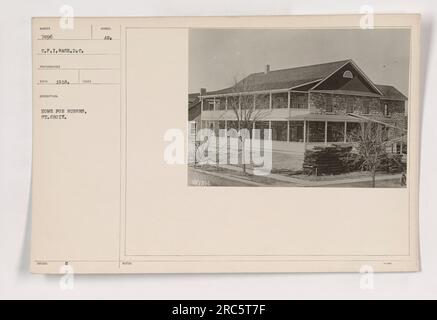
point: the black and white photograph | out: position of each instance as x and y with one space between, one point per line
223 157
298 107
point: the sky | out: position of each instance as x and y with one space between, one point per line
219 56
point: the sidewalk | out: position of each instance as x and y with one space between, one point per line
306 183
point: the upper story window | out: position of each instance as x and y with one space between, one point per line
350 105
262 101
301 102
298 100
386 110
366 107
247 101
329 104
233 102
208 104
221 103
348 74
280 100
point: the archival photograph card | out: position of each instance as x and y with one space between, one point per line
226 144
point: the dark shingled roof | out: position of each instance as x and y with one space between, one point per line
390 92
193 99
293 77
283 78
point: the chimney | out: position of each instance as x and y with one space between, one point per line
267 70
202 91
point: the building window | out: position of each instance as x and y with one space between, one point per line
208 124
193 128
216 128
260 126
296 131
349 105
352 132
262 101
280 100
328 106
233 103
366 107
335 131
386 110
233 125
348 75
316 131
208 104
302 102
221 103
246 102
298 100
279 130
221 128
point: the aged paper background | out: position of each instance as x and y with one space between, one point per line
105 201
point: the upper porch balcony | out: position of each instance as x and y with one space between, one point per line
265 105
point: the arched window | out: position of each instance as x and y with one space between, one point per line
348 75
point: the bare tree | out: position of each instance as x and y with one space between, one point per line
372 140
242 104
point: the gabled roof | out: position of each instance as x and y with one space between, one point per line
354 65
284 78
391 93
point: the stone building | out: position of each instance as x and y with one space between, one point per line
306 106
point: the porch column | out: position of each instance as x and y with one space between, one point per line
254 104
304 131
226 103
213 103
288 100
201 104
288 127
345 131
400 149
239 102
308 100
326 132
270 101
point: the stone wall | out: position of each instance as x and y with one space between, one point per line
342 104
396 111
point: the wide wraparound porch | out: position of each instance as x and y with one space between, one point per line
305 128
